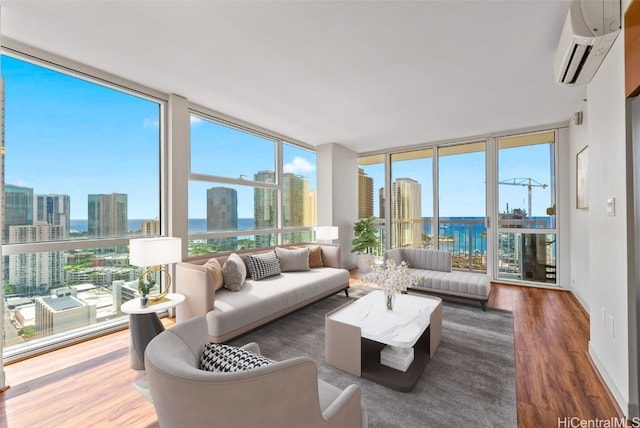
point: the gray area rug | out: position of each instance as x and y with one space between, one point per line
469 382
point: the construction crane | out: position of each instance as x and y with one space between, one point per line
530 183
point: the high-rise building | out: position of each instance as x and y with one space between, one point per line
53 209
406 212
18 207
265 208
222 216
310 206
107 215
36 270
293 202
365 194
150 227
265 202
382 202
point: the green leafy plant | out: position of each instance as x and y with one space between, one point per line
145 284
366 238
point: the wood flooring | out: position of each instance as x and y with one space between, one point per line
90 384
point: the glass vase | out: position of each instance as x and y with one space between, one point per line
390 300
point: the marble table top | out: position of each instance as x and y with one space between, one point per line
400 327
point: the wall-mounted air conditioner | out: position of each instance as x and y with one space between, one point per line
589 30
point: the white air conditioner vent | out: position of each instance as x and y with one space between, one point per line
590 28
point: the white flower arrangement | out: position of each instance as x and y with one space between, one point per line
391 277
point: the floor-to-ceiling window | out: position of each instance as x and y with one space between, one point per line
411 204
462 204
439 197
247 189
81 176
371 194
527 208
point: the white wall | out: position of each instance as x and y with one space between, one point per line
579 219
608 288
338 194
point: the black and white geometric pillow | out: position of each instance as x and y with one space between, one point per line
225 358
263 265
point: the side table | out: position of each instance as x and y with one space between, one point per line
144 325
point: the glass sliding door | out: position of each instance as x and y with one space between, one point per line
462 205
412 221
527 208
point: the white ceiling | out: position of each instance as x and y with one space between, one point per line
366 75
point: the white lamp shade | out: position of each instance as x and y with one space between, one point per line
326 233
161 250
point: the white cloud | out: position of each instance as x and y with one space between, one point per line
299 165
195 120
151 123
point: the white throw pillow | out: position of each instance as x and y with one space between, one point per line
234 272
293 260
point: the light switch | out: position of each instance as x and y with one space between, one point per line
611 207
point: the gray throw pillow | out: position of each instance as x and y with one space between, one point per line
293 260
234 272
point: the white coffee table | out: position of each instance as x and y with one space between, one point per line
356 333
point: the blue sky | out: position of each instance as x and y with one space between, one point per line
68 136
462 181
227 152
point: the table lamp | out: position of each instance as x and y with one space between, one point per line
326 234
152 254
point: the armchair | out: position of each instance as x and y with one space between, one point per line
283 394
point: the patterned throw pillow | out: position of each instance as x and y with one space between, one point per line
262 266
225 358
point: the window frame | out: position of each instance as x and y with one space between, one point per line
76 70
279 140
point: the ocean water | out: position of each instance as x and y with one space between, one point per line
463 233
195 224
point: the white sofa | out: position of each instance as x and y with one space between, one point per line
232 313
437 277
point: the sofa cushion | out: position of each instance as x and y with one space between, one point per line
293 260
225 358
215 270
269 298
418 258
234 272
315 256
263 265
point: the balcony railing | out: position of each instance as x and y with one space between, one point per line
523 254
466 238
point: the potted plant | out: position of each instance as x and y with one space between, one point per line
365 242
145 284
